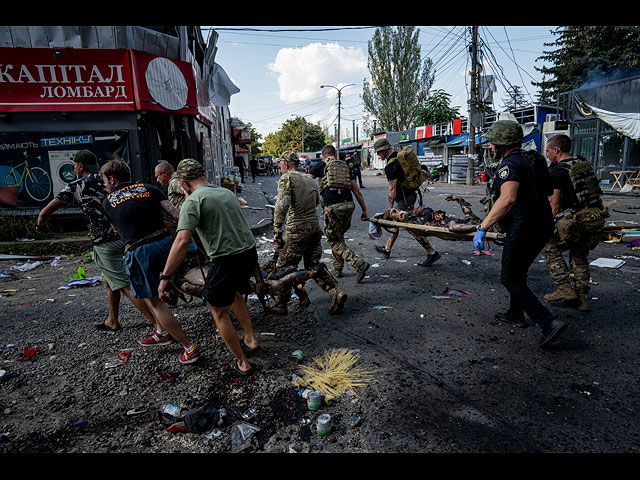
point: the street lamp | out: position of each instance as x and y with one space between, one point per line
339 96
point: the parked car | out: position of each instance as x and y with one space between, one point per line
263 162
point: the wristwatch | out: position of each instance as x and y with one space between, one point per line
164 277
481 228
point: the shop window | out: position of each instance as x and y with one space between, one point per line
633 161
610 153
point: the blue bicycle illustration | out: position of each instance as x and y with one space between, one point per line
35 180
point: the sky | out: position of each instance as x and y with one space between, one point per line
280 69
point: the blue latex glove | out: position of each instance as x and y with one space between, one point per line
478 240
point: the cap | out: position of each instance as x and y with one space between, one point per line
381 144
189 169
88 160
290 156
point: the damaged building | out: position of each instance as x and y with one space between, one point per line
138 93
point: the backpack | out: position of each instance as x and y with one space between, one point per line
413 175
336 175
584 180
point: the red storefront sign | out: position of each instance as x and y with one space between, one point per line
81 79
163 84
65 79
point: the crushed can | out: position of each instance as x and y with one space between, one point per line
323 424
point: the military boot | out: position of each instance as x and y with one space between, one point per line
279 308
582 303
303 296
563 291
338 299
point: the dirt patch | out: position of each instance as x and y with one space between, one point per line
64 398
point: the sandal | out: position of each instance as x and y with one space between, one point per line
247 349
243 373
102 326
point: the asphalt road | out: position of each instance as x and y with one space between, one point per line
451 379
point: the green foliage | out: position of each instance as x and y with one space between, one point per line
399 83
586 54
437 109
289 137
17 226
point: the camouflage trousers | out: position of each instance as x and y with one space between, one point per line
302 243
337 220
578 259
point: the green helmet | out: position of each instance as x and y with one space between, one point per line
505 132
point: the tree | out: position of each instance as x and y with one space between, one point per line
289 137
437 109
586 54
399 84
515 99
256 146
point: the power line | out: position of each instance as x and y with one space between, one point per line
249 29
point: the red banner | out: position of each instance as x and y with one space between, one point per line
65 79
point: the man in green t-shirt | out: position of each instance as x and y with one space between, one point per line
214 214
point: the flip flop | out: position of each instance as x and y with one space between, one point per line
102 326
248 350
240 372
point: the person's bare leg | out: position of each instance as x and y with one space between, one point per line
392 239
230 336
165 320
113 302
141 305
241 310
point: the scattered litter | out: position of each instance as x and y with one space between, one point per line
25 267
240 434
466 262
79 422
327 250
136 412
28 354
89 281
484 252
401 261
607 263
440 296
454 291
9 290
118 359
380 307
375 265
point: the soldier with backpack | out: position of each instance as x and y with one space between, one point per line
580 217
337 187
405 178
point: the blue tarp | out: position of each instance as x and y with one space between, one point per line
462 140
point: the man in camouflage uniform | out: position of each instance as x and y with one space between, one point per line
579 224
166 176
296 207
338 210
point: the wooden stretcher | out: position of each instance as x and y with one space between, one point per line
438 232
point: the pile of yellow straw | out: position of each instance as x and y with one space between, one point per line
335 372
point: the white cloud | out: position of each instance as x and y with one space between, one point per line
301 71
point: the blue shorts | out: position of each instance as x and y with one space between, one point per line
144 265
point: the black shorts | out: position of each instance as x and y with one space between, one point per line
228 275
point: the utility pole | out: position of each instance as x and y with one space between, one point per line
473 104
339 107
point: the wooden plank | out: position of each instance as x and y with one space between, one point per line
431 231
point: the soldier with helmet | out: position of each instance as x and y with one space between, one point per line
580 215
522 186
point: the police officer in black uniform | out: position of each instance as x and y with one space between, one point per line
522 185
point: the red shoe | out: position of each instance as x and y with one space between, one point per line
189 357
156 339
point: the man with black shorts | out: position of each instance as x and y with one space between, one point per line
135 209
214 214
